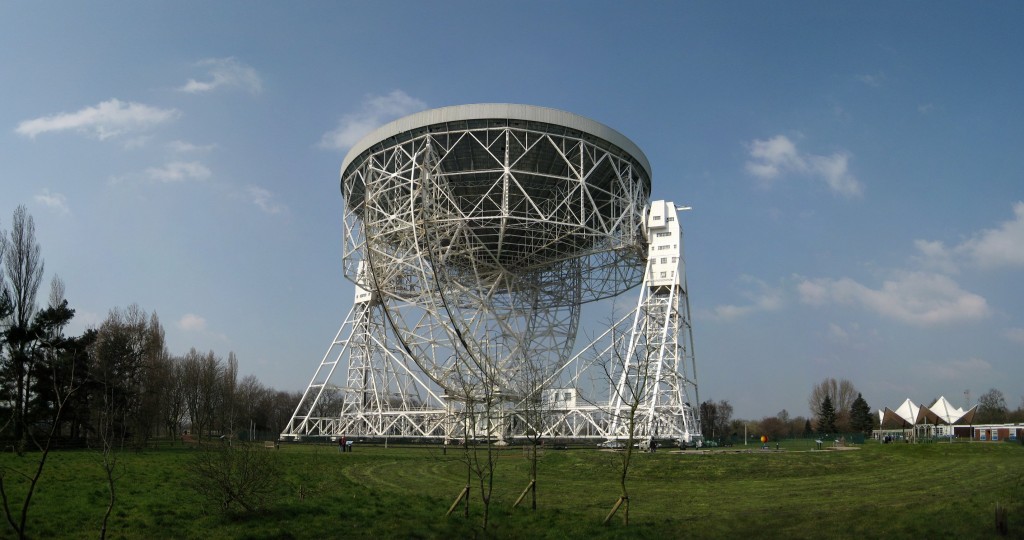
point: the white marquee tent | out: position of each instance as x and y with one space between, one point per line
925 421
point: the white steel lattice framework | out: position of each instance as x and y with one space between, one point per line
474 235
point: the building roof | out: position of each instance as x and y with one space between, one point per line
945 411
941 412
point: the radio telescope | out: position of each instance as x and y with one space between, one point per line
474 235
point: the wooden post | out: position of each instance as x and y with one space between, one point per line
523 495
1001 525
463 494
615 508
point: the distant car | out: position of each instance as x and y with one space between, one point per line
612 444
694 442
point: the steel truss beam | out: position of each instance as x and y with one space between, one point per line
646 356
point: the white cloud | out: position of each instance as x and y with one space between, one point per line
265 200
116 179
184 147
935 256
56 201
873 81
814 292
772 156
917 298
837 333
1015 335
929 296
1002 246
178 171
108 119
196 325
225 73
375 111
777 156
136 142
835 171
761 299
192 323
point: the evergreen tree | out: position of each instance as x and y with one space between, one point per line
860 416
807 428
827 419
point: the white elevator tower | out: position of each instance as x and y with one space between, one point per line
659 367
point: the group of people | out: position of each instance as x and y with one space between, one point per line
344 445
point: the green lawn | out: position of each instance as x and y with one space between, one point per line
936 490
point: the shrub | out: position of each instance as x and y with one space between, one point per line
245 475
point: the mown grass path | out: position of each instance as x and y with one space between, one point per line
936 490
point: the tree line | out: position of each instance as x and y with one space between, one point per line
117 379
836 407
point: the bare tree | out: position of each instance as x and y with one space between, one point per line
476 387
127 355
202 379
992 406
786 421
715 419
772 427
6 303
629 374
57 291
532 411
1017 416
488 409
798 425
128 344
330 402
228 394
111 426
148 418
251 394
23 264
164 402
277 407
236 475
842 394
174 397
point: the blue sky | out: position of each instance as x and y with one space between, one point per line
856 170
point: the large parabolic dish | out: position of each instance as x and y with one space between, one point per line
483 228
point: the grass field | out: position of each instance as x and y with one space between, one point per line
937 490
